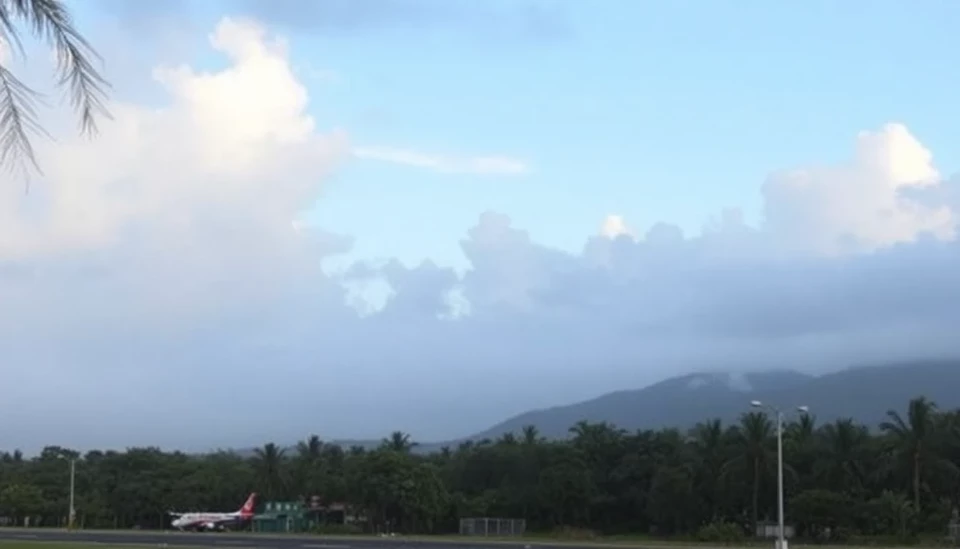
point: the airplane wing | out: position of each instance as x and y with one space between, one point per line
174 513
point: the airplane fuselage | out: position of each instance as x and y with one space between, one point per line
206 521
212 520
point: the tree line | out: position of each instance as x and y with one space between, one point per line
714 482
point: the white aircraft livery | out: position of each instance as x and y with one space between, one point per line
212 520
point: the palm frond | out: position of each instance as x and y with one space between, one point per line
51 21
8 30
17 117
896 425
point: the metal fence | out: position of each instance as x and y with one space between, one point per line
484 526
771 530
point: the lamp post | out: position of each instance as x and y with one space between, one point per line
73 476
781 537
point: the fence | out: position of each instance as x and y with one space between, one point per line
771 530
483 526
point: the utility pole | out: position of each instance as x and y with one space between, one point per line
72 512
781 533
73 478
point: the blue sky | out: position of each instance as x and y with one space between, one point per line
657 111
195 236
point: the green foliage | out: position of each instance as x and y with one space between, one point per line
338 529
569 533
21 499
843 483
721 532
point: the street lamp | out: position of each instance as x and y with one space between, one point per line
781 538
73 475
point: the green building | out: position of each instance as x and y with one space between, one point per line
299 516
282 516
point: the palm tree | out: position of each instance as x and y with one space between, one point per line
843 467
801 433
507 439
310 452
398 442
309 463
268 462
531 435
754 436
710 450
914 440
595 434
801 445
49 20
950 427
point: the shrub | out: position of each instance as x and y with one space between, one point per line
721 532
338 529
571 533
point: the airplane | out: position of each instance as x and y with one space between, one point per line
204 520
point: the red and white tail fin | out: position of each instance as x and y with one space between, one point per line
247 509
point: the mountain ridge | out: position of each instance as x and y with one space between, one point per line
830 396
863 393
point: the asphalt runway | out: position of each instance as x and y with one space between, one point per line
256 541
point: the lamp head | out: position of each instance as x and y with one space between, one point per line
803 409
756 404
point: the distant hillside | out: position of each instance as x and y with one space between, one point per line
678 401
864 394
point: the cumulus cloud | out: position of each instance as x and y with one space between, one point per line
161 274
614 226
168 220
476 165
860 205
227 165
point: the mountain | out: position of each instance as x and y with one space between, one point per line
864 394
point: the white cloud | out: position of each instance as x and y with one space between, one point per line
238 141
614 226
478 165
160 273
860 205
174 221
173 201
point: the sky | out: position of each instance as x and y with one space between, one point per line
353 217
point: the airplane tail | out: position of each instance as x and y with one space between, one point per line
247 509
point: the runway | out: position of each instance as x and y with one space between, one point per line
259 541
